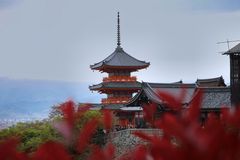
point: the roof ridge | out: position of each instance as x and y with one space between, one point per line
152 92
172 84
104 60
135 58
220 77
113 54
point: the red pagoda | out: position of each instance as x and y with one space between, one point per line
119 85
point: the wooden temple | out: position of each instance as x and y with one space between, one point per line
119 85
215 96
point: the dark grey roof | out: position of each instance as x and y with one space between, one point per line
109 85
235 49
211 82
134 100
120 58
175 89
169 85
151 90
214 97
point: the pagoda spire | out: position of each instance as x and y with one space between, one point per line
118 31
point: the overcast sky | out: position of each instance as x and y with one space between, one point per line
59 39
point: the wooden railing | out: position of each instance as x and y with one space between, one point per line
115 100
120 79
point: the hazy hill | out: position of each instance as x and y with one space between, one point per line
21 99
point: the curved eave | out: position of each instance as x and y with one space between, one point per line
104 66
95 87
153 96
210 79
229 53
211 82
116 86
147 90
117 89
134 98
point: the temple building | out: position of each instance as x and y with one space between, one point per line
215 96
119 85
234 54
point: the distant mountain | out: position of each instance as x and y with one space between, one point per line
32 99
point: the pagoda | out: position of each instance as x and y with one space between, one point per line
119 85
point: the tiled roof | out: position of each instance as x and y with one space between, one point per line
119 58
235 49
175 89
151 91
214 97
211 82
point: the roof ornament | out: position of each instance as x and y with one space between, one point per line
118 31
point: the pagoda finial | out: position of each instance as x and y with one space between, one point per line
118 31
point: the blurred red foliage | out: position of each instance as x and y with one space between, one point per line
86 134
107 119
183 136
50 151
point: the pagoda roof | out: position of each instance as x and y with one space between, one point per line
234 50
116 85
211 82
120 59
